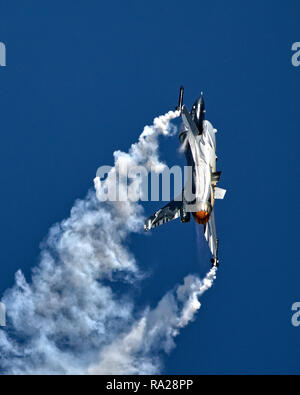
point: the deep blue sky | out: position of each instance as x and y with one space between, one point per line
84 77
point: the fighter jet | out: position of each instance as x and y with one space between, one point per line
198 141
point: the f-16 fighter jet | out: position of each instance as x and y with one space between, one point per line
198 141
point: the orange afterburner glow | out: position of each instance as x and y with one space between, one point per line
201 217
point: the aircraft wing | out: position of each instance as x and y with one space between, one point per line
166 214
188 122
211 235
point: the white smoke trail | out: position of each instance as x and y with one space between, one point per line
68 319
136 351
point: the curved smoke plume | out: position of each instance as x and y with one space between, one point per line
68 320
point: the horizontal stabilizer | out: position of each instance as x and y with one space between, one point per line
220 193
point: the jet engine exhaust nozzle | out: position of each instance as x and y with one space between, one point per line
201 217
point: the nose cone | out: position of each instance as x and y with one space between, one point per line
200 101
198 113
